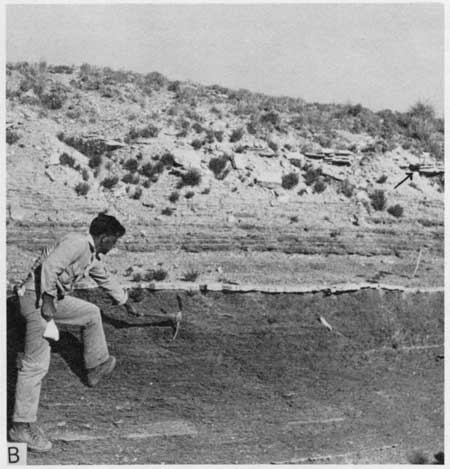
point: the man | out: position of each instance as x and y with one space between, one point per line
43 299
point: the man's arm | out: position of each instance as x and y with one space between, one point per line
100 274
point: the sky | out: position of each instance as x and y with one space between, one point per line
384 56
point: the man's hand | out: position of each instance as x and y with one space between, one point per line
131 310
48 309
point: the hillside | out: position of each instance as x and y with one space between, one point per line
222 185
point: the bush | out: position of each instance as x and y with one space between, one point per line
167 159
131 165
147 170
395 210
85 174
110 182
131 178
196 144
236 135
319 186
273 146
288 181
95 161
346 188
159 275
382 179
189 194
147 183
312 175
270 117
67 160
217 165
11 137
167 211
218 135
190 276
82 188
378 200
191 178
197 127
54 99
150 131
137 194
174 196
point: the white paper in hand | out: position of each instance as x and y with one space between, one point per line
51 331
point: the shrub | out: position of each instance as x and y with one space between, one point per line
312 175
293 219
131 178
82 188
346 188
206 190
196 144
319 186
189 194
137 194
147 170
150 131
159 275
382 179
174 196
378 200
11 136
85 174
236 135
302 191
131 165
167 159
110 182
167 211
217 165
218 135
53 99
192 177
197 127
270 117
147 183
288 181
190 276
95 161
273 146
395 210
67 160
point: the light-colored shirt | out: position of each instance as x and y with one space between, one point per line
71 259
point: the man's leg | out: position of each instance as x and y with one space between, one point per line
77 312
33 368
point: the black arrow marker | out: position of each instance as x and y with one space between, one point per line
408 176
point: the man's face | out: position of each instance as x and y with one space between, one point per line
106 243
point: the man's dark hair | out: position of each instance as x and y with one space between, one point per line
104 224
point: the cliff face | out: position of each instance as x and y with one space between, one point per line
192 170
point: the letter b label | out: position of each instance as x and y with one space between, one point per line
17 454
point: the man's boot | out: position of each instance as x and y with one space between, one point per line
31 434
94 375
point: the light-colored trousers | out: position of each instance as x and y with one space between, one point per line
36 359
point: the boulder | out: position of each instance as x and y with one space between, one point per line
187 158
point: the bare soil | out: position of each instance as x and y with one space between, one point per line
252 378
